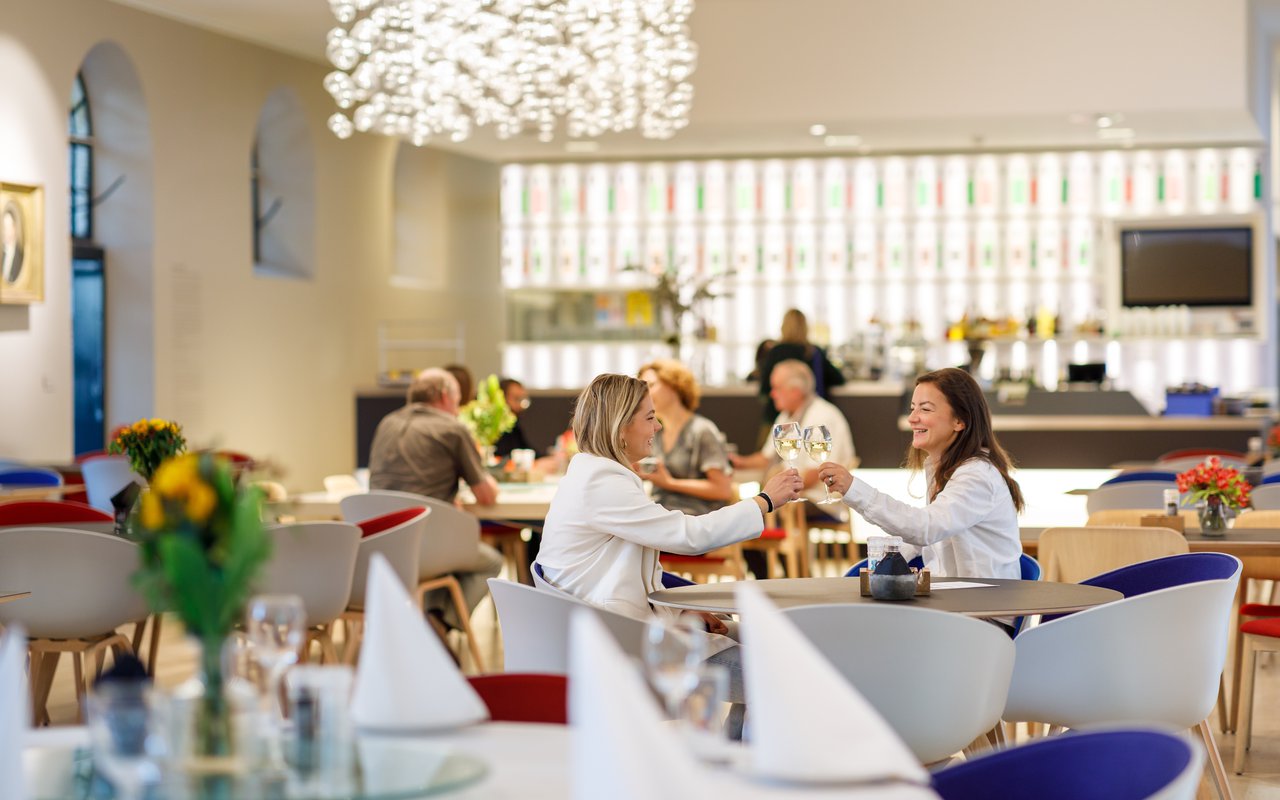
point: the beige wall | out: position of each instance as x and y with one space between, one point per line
268 366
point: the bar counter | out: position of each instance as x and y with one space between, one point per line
1067 429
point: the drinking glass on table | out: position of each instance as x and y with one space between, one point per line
276 625
673 652
123 736
786 441
817 443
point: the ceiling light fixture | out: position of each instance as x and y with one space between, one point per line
424 68
818 130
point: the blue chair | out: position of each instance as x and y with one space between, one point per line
34 477
1030 567
1103 765
1273 478
1142 475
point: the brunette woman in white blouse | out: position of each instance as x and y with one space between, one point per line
969 525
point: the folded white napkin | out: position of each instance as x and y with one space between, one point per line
406 679
807 723
621 748
15 712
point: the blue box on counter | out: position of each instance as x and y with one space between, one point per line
1192 404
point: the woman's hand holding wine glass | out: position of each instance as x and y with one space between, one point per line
817 443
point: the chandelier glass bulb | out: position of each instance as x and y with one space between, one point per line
424 68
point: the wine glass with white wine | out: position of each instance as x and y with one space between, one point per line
817 443
786 441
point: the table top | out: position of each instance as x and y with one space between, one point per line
1243 543
9 595
525 760
1001 598
516 502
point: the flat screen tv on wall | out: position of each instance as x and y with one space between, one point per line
1186 266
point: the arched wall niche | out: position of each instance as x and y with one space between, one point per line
124 225
286 179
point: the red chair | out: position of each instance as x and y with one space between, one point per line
51 512
1202 452
1260 634
522 697
83 457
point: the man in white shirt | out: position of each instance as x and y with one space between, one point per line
791 385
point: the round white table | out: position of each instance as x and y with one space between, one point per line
525 762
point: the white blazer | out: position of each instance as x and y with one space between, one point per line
601 539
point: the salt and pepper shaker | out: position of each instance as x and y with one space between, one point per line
1171 502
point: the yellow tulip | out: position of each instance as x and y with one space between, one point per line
140 426
201 500
175 476
152 511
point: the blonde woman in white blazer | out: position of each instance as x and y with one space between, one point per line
603 534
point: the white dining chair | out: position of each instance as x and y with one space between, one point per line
535 627
450 543
938 710
1137 494
1266 497
104 477
81 592
315 561
398 542
1153 658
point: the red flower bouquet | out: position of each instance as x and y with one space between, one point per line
1212 480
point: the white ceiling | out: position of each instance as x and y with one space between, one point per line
926 75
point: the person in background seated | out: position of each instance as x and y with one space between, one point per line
423 448
969 527
466 383
517 400
792 389
603 534
692 472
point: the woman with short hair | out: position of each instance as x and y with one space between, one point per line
692 473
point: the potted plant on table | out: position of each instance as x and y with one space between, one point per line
487 417
147 443
202 545
1219 487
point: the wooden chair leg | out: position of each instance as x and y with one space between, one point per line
48 668
1244 730
328 652
153 645
1223 711
1215 760
773 564
34 678
464 617
80 688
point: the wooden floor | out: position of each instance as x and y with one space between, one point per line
1261 782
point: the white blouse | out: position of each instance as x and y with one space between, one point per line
969 530
601 539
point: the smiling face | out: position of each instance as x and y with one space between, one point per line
933 423
637 434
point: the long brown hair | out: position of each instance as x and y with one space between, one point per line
975 440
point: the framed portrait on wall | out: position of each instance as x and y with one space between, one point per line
21 243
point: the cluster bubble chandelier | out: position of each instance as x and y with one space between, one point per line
423 68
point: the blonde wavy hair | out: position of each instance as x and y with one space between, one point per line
679 378
603 409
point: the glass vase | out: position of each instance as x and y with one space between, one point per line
1213 517
212 745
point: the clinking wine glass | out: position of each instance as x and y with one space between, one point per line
817 443
277 628
786 441
673 652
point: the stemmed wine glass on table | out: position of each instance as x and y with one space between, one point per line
786 441
817 443
277 628
673 651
